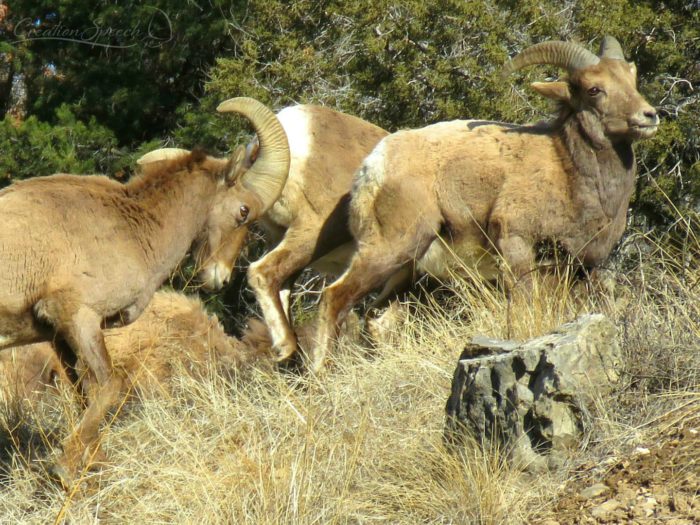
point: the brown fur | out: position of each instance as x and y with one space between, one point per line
174 334
78 251
490 193
27 373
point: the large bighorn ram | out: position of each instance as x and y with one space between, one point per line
485 189
309 220
79 251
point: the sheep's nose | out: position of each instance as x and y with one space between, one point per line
652 115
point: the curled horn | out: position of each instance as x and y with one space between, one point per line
268 174
611 48
563 54
161 154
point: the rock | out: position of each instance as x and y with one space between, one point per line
532 399
594 491
646 506
608 511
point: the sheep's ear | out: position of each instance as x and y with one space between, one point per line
555 90
251 152
236 165
161 154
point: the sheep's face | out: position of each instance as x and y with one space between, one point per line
225 236
248 184
606 99
234 207
609 90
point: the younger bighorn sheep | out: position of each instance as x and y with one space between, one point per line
308 223
485 189
79 251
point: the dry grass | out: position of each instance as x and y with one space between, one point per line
363 443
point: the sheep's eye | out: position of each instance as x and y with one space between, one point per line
244 211
593 91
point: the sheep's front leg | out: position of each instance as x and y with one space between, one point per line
267 276
132 312
519 258
80 327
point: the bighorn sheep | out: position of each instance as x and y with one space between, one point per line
309 220
173 333
78 251
482 189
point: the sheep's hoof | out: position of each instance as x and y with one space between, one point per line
284 351
61 474
316 362
66 470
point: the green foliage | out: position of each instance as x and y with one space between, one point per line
69 145
398 64
201 125
128 64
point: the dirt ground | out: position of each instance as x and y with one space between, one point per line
658 483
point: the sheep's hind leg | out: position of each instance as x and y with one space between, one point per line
372 265
80 326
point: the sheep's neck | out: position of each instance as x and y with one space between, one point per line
173 212
600 167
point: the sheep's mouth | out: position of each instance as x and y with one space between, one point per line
644 130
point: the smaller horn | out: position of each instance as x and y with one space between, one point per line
161 154
611 48
566 55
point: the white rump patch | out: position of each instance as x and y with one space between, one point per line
367 183
372 169
297 125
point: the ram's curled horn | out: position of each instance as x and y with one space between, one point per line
567 55
268 174
161 154
611 48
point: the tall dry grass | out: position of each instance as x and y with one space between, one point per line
363 443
